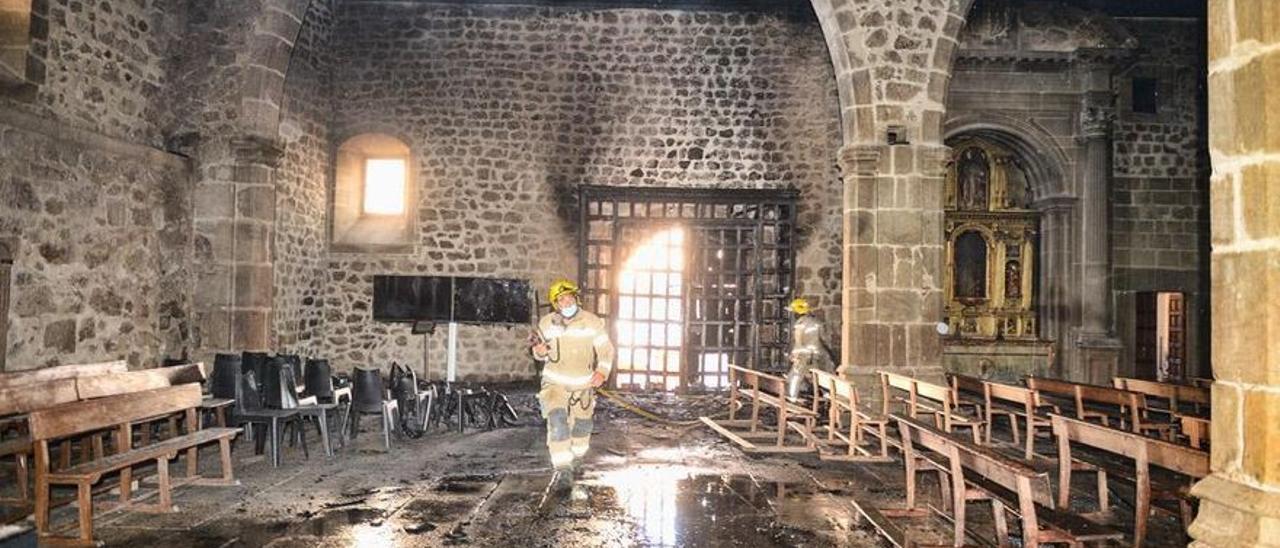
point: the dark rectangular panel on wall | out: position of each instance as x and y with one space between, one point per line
718 264
412 298
492 300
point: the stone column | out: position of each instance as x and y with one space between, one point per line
1240 500
234 224
1058 287
1099 350
893 251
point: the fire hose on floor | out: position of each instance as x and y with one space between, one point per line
634 408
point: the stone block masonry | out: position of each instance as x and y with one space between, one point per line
1240 501
508 109
102 234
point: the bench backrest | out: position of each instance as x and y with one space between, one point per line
1052 386
59 372
26 398
1148 388
100 386
935 392
964 383
759 380
1008 393
837 388
1170 456
983 461
89 415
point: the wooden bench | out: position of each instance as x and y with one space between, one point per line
70 371
764 390
841 399
1175 397
16 402
1145 452
119 413
928 398
1195 429
1101 403
976 473
1015 402
967 392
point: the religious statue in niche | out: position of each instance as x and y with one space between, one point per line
1012 280
974 173
971 267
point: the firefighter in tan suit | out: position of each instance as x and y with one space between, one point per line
574 346
808 349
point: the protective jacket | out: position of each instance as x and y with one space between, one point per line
576 344
807 352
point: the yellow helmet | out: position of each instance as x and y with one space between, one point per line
800 307
560 287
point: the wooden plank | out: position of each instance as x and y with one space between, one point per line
27 398
101 386
99 414
70 371
1171 456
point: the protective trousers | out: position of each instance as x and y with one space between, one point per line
569 425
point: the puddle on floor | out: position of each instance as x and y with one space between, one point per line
674 506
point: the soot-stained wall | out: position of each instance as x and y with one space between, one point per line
506 110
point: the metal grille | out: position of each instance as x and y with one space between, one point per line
692 280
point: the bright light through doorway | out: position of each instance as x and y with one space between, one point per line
650 324
384 180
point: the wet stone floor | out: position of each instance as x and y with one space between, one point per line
644 484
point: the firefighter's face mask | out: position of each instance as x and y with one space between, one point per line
567 305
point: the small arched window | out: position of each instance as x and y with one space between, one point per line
373 194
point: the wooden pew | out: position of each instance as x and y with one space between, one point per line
841 398
101 386
977 473
929 398
16 402
1196 430
966 391
71 371
764 390
1015 402
119 413
1173 396
1145 452
1087 398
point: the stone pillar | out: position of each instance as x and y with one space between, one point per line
1099 350
893 249
234 223
1240 500
1058 288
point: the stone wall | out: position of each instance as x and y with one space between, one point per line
104 64
506 110
1159 193
1240 500
1160 161
301 188
99 219
102 238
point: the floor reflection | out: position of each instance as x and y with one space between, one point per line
678 506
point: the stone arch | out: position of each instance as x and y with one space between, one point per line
867 102
271 41
1045 160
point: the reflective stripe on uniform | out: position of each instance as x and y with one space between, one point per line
600 339
566 380
578 450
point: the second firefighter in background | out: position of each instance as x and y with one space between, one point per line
808 349
577 354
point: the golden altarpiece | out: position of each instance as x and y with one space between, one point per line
990 232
